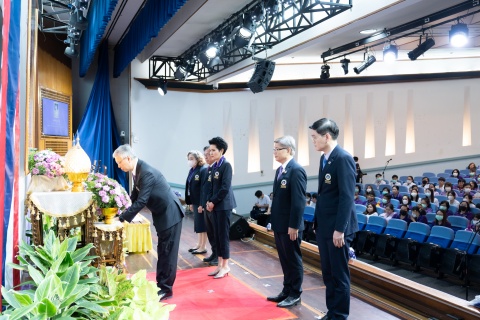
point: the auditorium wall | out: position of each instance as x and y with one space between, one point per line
410 122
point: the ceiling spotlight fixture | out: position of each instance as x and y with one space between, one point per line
365 64
209 57
421 49
325 74
271 7
345 63
242 35
258 13
70 51
162 87
184 69
390 52
458 35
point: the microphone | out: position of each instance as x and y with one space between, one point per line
389 160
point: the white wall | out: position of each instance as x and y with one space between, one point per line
424 122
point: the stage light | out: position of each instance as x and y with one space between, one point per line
390 53
162 87
184 69
365 64
70 51
271 7
325 74
243 34
258 13
212 51
345 63
421 49
458 35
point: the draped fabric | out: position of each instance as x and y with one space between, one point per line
148 23
9 140
97 131
99 14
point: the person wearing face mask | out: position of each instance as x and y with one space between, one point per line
369 189
456 174
409 183
429 193
378 179
406 201
451 195
396 193
474 225
385 200
425 181
473 185
441 220
447 188
468 199
473 171
371 210
467 190
357 199
394 181
403 215
464 211
445 208
414 195
425 204
196 162
389 212
419 215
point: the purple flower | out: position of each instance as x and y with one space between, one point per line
35 171
105 199
98 185
112 191
106 188
102 193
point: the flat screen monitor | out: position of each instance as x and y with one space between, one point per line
55 121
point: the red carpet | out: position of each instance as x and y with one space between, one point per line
200 297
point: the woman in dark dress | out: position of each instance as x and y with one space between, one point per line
196 162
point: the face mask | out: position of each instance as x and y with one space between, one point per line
455 174
414 194
385 192
369 190
475 222
478 179
424 181
357 190
424 205
465 199
379 179
308 199
384 201
450 198
443 208
403 212
467 189
394 181
191 163
428 193
405 201
439 217
409 181
472 174
463 208
448 189
414 214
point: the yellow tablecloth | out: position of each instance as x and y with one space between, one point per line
139 237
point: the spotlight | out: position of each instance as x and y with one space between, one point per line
162 87
70 51
271 7
345 63
458 35
325 74
243 34
421 49
258 13
211 52
184 69
390 53
365 64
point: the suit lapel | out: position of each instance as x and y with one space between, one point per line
323 171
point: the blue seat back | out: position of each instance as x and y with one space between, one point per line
380 187
380 210
418 180
396 228
431 217
466 240
395 202
457 222
360 208
453 209
418 231
474 210
362 198
308 214
429 174
376 224
476 200
443 175
452 180
464 172
442 236
441 198
362 221
403 189
449 171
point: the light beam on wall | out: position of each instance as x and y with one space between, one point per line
303 150
278 127
410 125
369 129
348 128
390 136
253 140
228 134
467 123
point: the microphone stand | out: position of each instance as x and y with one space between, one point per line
386 165
465 258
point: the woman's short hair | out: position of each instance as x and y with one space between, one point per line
220 143
198 156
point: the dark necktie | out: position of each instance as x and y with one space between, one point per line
324 163
280 172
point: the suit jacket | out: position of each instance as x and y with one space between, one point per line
151 190
206 185
193 188
289 198
335 210
221 193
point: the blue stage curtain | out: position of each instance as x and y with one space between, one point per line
98 15
97 131
148 23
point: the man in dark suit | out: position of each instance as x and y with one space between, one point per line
335 218
287 208
151 190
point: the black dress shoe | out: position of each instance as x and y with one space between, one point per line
163 295
213 262
282 296
211 258
192 249
326 317
289 302
199 252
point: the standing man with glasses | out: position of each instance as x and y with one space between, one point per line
151 190
287 208
335 219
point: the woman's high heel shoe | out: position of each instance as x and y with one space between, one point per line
222 273
214 272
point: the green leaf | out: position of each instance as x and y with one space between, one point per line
79 292
23 298
66 263
68 312
38 263
91 306
10 298
47 307
70 280
44 255
20 313
81 253
36 275
47 288
72 244
16 266
88 281
56 265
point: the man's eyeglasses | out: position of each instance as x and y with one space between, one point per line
121 161
278 149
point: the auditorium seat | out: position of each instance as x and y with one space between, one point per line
453 209
476 200
418 180
386 242
362 221
452 180
360 208
441 198
449 171
466 240
431 217
454 256
474 210
443 175
380 187
464 172
380 210
429 174
395 202
403 189
365 239
308 213
457 222
430 252
407 250
374 186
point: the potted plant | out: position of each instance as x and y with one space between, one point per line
47 170
108 194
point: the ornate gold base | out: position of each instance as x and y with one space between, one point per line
77 180
109 214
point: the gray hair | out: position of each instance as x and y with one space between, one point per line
198 157
287 142
124 151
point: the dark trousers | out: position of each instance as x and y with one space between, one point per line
210 231
336 276
263 219
221 219
167 250
291 261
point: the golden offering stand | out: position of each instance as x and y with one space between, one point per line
108 242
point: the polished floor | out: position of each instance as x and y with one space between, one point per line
257 265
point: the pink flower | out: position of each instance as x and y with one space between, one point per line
106 199
35 171
102 193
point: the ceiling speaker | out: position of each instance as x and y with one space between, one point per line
261 77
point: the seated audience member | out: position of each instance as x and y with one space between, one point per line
467 190
441 185
414 194
460 186
451 199
371 210
368 189
379 180
477 194
308 198
371 198
468 199
389 212
474 186
419 215
385 190
425 204
396 193
406 201
425 181
260 210
473 171
456 174
403 215
448 187
445 208
409 183
464 211
430 194
385 200
357 200
394 181
433 189
271 196
313 202
441 220
474 225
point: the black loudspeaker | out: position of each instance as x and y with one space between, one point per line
239 228
262 76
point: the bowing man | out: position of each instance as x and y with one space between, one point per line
151 190
287 208
335 217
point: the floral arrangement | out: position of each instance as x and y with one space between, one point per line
46 163
107 192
